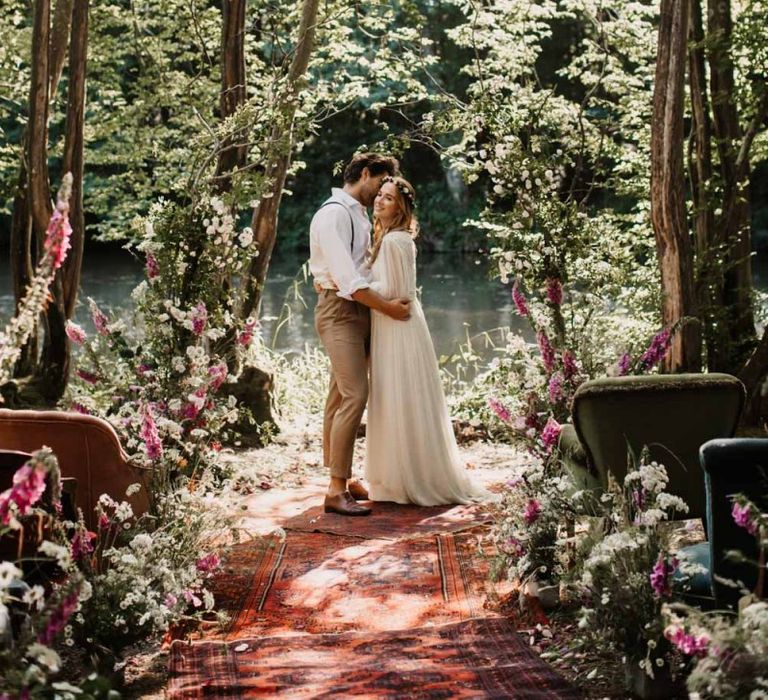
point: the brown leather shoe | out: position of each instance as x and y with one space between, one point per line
344 504
358 491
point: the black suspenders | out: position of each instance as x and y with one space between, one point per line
351 222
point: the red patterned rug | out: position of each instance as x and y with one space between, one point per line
392 521
480 658
320 583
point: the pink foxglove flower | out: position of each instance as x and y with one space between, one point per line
75 333
218 374
570 368
519 300
554 291
149 434
199 317
99 319
625 363
550 434
501 411
87 376
657 350
27 489
152 268
689 644
57 236
661 576
246 335
195 404
532 511
546 350
58 619
208 564
81 543
555 388
742 516
514 547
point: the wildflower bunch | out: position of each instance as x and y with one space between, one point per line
530 532
627 575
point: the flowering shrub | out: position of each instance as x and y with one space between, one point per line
531 533
728 651
148 573
627 575
28 662
161 387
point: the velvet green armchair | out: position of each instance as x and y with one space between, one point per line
673 415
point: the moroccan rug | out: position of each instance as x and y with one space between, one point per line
320 583
480 658
392 521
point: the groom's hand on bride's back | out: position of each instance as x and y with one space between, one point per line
400 309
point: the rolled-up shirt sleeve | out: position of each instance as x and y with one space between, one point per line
334 238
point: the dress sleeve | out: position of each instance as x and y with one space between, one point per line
397 276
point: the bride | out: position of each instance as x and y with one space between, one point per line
411 452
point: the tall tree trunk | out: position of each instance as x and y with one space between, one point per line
73 151
733 225
668 189
234 151
57 50
32 203
264 220
37 154
55 360
709 283
22 256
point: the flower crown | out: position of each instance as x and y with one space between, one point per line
406 191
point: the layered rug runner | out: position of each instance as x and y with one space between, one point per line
324 615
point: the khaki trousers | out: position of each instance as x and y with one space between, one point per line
344 328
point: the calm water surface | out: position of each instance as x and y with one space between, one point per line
457 296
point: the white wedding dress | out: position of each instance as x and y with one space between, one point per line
411 452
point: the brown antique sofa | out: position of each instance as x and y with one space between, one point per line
87 449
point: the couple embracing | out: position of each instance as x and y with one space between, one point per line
370 322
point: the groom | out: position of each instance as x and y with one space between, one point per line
339 239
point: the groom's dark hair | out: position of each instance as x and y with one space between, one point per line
376 163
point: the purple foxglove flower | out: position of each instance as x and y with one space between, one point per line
519 300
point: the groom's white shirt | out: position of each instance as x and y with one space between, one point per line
335 261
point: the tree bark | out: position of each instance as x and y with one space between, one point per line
668 189
22 256
73 152
57 50
733 225
56 355
709 282
264 220
234 152
37 154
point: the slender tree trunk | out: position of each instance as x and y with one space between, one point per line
668 189
57 50
22 255
37 154
73 151
55 360
32 202
709 283
234 152
264 220
733 225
